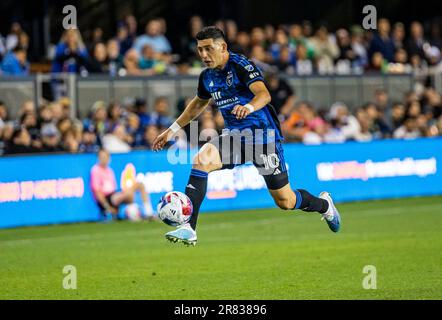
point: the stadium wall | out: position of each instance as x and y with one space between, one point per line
49 189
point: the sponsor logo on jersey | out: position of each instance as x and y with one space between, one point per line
249 68
211 84
254 75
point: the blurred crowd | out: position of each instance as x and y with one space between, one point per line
52 128
413 117
131 125
295 49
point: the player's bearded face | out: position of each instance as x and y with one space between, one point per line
211 52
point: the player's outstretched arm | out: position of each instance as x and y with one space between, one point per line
193 110
261 98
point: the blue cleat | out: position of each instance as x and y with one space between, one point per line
332 216
184 234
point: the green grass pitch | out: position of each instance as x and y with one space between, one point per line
254 254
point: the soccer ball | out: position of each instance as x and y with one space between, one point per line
175 208
133 212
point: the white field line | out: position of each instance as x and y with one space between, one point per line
222 225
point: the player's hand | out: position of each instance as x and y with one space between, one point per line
240 111
161 140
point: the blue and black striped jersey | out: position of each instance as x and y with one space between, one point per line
229 87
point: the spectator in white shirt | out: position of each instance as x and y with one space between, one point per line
116 142
409 130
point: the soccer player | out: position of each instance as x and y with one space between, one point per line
104 189
237 87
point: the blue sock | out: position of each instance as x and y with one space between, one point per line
309 203
298 199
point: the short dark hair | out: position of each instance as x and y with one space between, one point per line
210 32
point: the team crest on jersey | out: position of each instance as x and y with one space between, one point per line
249 68
229 79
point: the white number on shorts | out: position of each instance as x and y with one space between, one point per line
271 161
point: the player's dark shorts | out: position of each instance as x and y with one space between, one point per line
267 158
109 200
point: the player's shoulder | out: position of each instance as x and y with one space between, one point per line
241 63
205 73
238 59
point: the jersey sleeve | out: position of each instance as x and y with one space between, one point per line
248 72
202 91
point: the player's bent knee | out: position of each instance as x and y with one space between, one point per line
206 167
207 159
